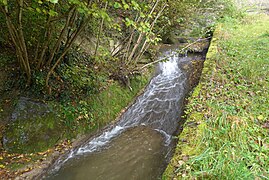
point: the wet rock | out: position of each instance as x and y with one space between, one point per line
169 38
33 127
199 46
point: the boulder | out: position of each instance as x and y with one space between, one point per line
34 127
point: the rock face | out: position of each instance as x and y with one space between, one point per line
34 127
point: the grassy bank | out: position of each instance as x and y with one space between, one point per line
226 133
100 109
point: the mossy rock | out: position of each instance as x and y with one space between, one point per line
199 47
33 128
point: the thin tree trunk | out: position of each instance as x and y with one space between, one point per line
142 50
58 43
70 27
129 45
137 19
141 35
115 52
40 60
99 34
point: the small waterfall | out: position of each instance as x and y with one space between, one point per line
169 67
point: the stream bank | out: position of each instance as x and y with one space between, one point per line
226 132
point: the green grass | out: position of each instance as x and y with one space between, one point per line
231 108
107 105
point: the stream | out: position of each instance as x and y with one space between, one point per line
140 144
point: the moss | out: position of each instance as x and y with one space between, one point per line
32 135
196 90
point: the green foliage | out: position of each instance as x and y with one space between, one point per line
50 29
194 18
76 115
3 31
46 30
97 110
6 59
78 73
39 83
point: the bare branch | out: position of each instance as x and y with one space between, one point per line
178 51
99 33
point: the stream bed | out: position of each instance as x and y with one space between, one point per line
140 144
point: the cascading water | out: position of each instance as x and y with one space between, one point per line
137 146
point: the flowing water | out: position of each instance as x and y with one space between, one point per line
139 145
135 154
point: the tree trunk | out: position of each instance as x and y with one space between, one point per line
18 39
60 38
